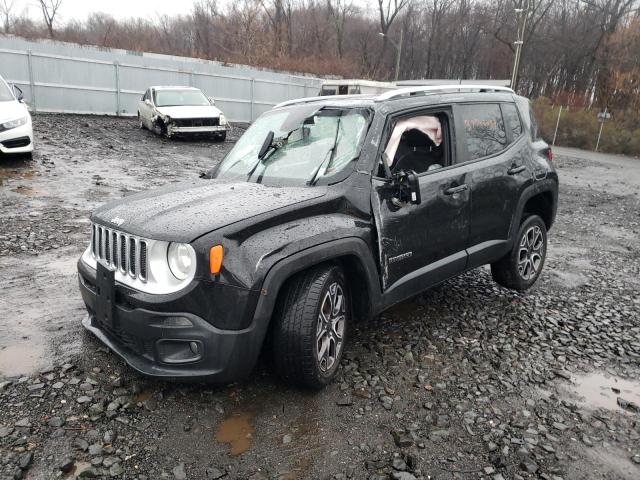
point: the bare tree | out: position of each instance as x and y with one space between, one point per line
388 10
6 8
339 10
49 10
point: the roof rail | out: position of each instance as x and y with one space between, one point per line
316 99
440 89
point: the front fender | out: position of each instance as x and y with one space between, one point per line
350 248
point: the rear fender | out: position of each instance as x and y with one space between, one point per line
549 185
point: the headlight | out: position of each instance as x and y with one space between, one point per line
14 123
223 120
182 260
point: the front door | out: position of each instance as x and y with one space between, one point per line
421 245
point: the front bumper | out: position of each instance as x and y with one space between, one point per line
174 130
140 335
17 140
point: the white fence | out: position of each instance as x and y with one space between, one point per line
70 78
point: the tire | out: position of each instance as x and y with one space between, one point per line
307 350
520 268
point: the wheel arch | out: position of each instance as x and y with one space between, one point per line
352 254
541 199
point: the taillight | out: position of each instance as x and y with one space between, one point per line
550 154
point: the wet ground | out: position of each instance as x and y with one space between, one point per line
468 380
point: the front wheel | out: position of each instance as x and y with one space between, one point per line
310 327
520 268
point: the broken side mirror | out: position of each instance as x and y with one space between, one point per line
18 93
148 102
408 185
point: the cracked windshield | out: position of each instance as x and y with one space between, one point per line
296 146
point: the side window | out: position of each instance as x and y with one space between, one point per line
512 119
484 129
419 143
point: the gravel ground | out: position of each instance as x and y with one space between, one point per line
468 380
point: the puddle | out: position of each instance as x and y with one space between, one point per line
597 390
237 431
570 280
21 359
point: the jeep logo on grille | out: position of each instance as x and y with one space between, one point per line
117 221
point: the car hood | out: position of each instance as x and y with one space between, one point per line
184 211
206 111
11 110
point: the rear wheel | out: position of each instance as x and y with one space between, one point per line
310 327
521 267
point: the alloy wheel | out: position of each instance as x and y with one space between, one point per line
531 252
330 328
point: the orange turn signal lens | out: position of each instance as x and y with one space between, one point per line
216 254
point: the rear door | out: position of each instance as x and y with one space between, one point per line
495 148
420 245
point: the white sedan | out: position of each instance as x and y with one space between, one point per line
175 111
16 132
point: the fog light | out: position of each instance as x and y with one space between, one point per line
179 351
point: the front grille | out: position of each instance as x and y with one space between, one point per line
197 122
120 251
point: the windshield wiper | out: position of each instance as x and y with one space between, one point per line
269 146
331 153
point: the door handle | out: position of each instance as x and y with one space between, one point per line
515 169
458 189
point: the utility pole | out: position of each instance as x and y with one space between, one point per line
555 133
398 47
522 14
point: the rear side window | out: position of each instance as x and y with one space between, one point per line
512 119
484 129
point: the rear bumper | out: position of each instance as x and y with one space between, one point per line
17 140
147 339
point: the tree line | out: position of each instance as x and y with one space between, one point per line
576 52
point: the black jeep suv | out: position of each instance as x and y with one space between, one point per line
325 211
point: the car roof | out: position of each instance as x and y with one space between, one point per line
413 96
173 87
